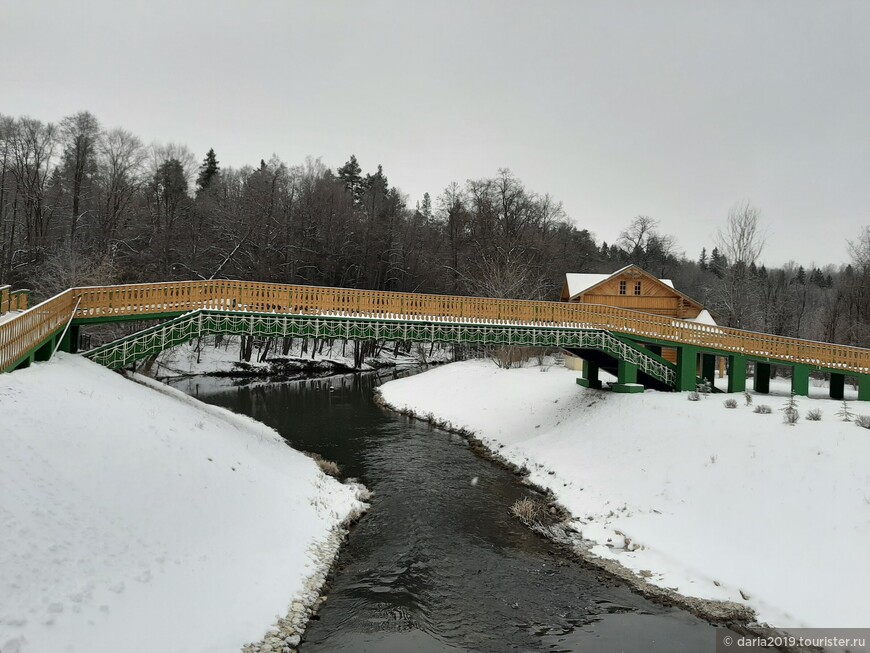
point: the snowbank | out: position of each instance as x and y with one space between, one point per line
716 503
141 520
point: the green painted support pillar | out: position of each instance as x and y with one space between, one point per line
708 367
44 352
864 387
687 368
70 341
736 373
800 380
626 378
838 385
590 375
761 382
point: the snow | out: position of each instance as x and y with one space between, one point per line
703 317
6 317
191 359
688 493
135 518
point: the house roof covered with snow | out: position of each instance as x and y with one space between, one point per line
580 282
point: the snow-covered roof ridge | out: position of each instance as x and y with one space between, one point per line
579 282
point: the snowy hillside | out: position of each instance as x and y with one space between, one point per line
697 497
135 518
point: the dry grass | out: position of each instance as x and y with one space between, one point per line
814 415
326 466
529 510
730 403
763 409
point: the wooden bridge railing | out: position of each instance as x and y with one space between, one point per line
156 299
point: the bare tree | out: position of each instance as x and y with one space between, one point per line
80 134
740 244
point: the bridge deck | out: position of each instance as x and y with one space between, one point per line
22 336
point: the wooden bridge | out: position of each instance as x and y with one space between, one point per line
618 339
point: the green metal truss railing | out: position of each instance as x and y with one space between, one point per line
140 345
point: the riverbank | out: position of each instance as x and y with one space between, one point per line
220 357
123 504
726 505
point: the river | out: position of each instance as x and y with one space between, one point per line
437 563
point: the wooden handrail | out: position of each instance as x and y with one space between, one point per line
156 299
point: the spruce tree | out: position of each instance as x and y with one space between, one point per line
702 261
207 170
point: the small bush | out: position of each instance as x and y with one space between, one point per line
791 416
747 397
814 415
730 403
763 409
863 421
529 510
693 396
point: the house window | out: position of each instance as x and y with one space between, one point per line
622 287
637 287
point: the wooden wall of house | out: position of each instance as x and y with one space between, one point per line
654 297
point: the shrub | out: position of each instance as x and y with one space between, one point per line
747 397
863 421
763 409
529 510
693 396
730 403
815 415
790 416
507 357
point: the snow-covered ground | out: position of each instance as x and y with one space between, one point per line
716 503
205 357
134 518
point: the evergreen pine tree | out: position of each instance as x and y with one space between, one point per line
801 276
426 206
349 173
702 261
207 170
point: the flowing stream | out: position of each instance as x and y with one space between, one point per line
438 563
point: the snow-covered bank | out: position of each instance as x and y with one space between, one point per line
716 503
221 356
135 518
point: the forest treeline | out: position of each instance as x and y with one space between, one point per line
83 204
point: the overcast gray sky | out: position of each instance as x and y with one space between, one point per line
670 109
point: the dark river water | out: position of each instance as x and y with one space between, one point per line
438 564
